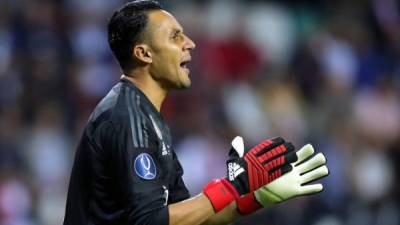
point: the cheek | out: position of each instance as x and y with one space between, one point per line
170 66
160 63
171 62
166 62
165 67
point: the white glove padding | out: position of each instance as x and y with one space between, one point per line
292 184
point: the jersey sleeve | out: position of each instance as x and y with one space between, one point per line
131 181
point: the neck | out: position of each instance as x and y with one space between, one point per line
149 87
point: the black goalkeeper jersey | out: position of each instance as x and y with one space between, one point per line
125 170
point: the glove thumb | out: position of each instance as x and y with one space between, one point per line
238 146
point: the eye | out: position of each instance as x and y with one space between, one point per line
175 35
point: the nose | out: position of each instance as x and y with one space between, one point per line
189 44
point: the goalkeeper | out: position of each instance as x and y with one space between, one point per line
125 169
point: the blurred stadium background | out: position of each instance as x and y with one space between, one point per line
325 72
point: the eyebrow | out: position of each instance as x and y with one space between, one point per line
177 30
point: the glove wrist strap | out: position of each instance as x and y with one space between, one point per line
220 193
247 204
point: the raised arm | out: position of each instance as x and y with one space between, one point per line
247 170
306 169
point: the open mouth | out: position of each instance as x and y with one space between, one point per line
184 64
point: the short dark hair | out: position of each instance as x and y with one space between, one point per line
126 26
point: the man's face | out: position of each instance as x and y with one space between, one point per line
170 50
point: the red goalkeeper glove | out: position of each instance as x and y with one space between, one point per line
249 170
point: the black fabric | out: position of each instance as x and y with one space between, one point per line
124 134
241 182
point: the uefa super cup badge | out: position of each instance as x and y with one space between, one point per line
145 166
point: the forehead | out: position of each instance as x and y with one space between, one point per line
162 21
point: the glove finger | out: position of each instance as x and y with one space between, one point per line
316 161
237 149
275 153
267 145
286 168
315 174
275 163
311 189
305 152
280 161
274 174
291 157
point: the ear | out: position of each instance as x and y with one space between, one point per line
142 53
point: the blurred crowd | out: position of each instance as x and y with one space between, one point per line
320 72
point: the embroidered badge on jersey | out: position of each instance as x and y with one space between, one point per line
145 167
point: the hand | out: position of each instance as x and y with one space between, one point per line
295 182
249 170
260 165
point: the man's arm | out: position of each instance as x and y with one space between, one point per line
198 210
306 169
226 216
217 204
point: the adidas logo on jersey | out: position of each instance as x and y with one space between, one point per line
165 149
234 170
